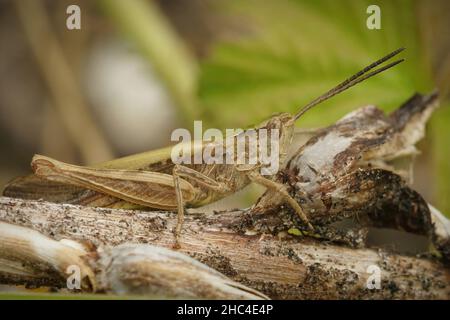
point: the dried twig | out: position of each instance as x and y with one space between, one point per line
27 256
289 267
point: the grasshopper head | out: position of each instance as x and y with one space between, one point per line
284 123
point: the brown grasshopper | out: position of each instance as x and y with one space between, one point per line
168 186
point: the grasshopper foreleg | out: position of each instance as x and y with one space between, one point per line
281 189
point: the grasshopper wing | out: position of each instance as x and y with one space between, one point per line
32 187
152 189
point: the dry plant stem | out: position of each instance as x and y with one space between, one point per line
61 81
28 257
143 269
294 268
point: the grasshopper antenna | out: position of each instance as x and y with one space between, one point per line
358 77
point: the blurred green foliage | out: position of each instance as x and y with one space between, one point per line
145 25
291 51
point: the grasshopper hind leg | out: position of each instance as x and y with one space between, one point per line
180 202
186 173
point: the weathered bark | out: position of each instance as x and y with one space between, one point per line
28 257
282 267
349 169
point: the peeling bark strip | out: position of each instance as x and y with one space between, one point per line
288 268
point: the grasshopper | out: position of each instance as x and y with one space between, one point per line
168 186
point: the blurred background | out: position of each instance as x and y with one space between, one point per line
138 69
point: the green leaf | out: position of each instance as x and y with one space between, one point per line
290 52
